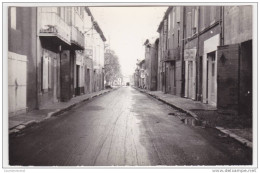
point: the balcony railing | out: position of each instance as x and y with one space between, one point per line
51 23
172 54
77 38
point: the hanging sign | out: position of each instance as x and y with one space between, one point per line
190 54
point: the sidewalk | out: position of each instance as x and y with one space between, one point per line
19 122
228 123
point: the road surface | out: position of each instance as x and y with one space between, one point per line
123 128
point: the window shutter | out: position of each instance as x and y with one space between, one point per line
165 26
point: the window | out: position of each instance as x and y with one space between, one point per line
13 17
178 14
169 25
202 20
173 19
188 25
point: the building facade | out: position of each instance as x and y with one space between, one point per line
49 60
22 65
170 61
235 60
205 54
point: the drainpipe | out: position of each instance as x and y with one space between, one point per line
183 62
37 55
222 26
198 56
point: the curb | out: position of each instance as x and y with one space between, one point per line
57 112
241 140
236 137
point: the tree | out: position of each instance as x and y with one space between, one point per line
112 67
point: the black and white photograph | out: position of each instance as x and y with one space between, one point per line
130 85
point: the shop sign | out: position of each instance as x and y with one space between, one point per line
190 54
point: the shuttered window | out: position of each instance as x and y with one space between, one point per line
188 24
165 26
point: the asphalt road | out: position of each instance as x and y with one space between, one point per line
124 128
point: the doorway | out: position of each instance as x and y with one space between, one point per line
77 79
211 79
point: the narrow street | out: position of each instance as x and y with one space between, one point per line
123 127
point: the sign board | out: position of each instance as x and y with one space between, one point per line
190 54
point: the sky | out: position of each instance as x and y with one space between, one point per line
126 29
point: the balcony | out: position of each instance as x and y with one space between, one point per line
54 28
77 39
172 54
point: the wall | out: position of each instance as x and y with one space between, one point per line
238 26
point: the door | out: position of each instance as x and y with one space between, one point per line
88 80
77 79
55 80
212 79
17 83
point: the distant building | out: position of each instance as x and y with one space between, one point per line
140 75
95 41
151 63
